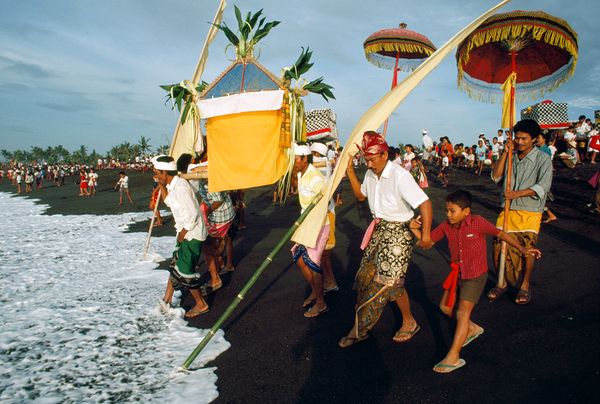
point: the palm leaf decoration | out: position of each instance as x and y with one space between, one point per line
180 93
250 31
302 66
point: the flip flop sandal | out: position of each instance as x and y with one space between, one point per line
496 292
207 289
472 337
193 314
523 296
445 368
226 270
409 335
310 313
333 289
347 342
309 302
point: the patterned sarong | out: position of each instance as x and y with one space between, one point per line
524 226
183 265
380 278
390 249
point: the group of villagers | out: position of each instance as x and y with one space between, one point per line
206 224
393 195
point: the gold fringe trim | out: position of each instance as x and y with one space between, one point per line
398 47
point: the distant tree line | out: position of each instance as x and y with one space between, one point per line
122 152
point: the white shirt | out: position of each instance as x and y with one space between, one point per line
583 128
427 142
495 148
186 209
445 161
501 139
568 136
394 195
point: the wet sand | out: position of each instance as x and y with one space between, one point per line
545 351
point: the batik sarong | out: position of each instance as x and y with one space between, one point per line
380 278
524 226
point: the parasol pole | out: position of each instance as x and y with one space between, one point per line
394 84
501 267
249 284
212 32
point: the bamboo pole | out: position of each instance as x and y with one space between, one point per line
501 267
249 284
212 32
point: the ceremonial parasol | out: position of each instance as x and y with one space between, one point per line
397 49
519 53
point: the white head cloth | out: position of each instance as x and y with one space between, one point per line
301 150
164 165
319 148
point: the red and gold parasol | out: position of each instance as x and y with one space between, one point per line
397 49
517 54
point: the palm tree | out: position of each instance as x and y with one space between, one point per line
144 144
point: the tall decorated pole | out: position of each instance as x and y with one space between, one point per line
190 109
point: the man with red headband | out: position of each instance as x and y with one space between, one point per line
388 243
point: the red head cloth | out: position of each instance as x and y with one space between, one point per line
373 143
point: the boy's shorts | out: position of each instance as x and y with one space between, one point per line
471 289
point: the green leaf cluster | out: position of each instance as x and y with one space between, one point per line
179 94
249 32
303 65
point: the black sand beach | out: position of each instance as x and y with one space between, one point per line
546 351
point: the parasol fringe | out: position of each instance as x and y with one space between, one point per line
490 93
397 47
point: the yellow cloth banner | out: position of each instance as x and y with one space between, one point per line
507 112
244 150
308 231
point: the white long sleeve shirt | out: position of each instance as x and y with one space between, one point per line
186 210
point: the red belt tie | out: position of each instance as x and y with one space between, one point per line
450 284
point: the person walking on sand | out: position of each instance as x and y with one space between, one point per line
310 182
179 196
92 182
392 194
468 262
530 184
123 185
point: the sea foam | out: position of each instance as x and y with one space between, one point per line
79 313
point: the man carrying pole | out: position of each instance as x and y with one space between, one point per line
191 233
388 244
524 202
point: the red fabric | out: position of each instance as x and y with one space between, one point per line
450 284
595 143
373 143
467 243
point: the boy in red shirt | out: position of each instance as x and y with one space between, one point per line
468 254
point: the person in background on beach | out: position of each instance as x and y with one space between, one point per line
191 233
154 199
123 185
29 182
92 181
83 183
542 142
468 262
310 182
419 173
569 157
19 181
427 145
445 168
392 194
481 153
531 181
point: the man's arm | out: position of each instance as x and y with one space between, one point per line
498 171
426 217
512 241
354 182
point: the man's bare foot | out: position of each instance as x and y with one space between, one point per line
550 219
197 310
309 300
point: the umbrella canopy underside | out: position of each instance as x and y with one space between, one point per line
411 48
546 55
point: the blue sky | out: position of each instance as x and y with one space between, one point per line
76 72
